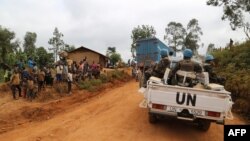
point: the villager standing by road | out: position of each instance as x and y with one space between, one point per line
25 86
41 78
59 70
70 80
31 65
15 83
31 93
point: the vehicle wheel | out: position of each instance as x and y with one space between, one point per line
204 124
152 118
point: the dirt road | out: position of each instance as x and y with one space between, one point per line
112 115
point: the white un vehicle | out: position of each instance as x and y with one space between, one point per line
202 105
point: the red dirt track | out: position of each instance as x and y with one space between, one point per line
111 115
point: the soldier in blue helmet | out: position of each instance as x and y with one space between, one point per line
162 65
185 70
158 70
208 67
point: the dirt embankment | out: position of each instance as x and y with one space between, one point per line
112 114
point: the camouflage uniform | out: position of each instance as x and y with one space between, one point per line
157 70
213 78
188 66
161 67
147 74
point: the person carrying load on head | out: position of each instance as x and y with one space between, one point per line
186 69
208 67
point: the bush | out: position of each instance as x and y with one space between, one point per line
85 85
118 74
234 65
104 78
91 85
95 82
242 106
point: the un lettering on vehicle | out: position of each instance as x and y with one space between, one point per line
186 98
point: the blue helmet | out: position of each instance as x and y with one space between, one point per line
164 53
188 53
209 57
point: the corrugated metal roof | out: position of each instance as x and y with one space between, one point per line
82 47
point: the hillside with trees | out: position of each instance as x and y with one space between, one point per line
234 64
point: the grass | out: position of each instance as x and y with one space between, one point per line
95 84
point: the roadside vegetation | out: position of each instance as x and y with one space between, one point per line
234 64
110 77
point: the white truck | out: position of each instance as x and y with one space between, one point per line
202 106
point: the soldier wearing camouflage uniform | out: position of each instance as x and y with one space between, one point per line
208 67
186 67
162 65
158 70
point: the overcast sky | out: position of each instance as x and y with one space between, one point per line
98 24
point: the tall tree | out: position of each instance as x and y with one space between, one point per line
7 45
193 35
113 55
175 35
234 11
110 51
141 32
210 48
69 47
29 43
56 42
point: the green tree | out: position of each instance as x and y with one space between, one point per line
210 48
57 42
69 48
29 43
193 35
115 57
43 58
234 11
7 45
110 51
141 32
175 35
